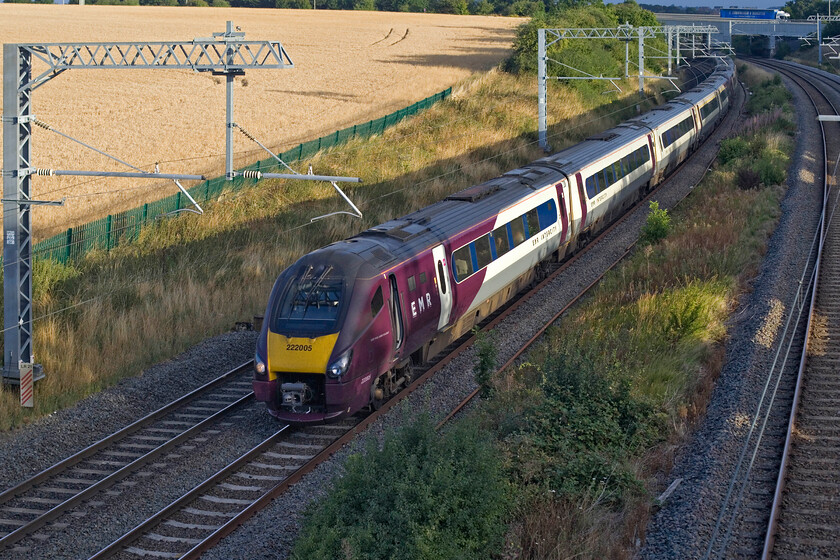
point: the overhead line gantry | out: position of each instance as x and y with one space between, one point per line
548 37
226 54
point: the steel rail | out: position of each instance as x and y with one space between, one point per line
281 486
175 506
780 481
98 446
122 472
768 411
117 475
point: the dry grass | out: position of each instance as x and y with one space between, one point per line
752 74
344 74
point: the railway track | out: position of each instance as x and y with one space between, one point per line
200 519
212 509
805 514
137 448
741 528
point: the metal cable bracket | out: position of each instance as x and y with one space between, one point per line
300 176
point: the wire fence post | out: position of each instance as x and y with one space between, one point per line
108 225
69 245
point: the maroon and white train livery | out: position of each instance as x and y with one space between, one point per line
344 323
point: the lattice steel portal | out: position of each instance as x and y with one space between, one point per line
226 53
625 33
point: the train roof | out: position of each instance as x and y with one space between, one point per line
401 238
572 159
387 244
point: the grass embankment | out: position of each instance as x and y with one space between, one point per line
809 56
601 405
112 315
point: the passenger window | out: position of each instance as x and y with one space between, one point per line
462 261
411 284
376 302
533 223
422 277
590 187
500 240
617 170
547 214
442 277
517 230
482 251
608 176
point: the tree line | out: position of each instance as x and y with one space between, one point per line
476 7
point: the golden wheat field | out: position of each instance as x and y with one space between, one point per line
349 67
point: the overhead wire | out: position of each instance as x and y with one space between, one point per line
390 142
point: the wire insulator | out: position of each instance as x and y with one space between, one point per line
45 172
249 174
42 124
247 134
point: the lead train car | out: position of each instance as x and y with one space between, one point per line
344 323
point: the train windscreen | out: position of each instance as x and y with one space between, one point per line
312 302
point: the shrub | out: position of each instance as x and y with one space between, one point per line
527 8
605 58
757 144
770 95
747 178
487 352
684 320
578 437
732 149
657 226
770 171
421 496
782 50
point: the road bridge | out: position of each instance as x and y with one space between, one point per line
729 27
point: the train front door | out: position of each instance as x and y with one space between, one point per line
443 286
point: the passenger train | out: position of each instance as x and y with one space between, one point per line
345 323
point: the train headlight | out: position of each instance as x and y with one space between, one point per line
259 365
339 367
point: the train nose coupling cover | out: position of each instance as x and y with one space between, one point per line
293 394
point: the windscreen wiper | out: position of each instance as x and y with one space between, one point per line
314 287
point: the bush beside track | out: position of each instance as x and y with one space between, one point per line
601 405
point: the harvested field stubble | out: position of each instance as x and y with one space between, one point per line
344 73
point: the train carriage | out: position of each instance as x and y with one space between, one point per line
608 171
344 324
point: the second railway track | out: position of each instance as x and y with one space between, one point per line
731 468
804 518
58 490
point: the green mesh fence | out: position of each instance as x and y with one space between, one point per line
125 227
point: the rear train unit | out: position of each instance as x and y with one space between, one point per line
345 323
